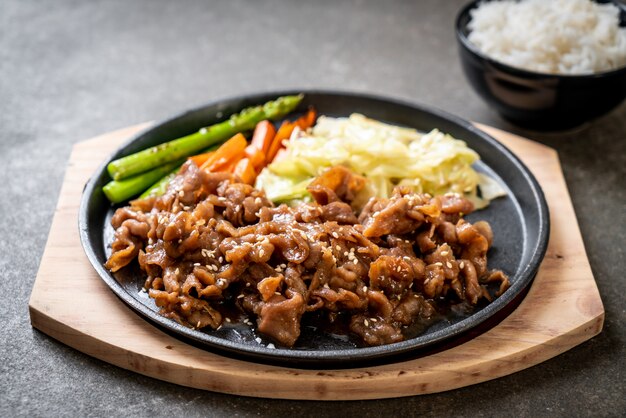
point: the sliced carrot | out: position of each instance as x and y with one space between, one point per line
245 170
286 129
201 158
228 154
226 163
284 132
263 135
307 120
256 156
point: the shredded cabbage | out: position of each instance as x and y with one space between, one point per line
386 155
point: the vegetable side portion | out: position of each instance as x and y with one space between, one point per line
135 173
386 155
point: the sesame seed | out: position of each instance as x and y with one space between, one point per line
444 253
355 261
248 284
338 247
364 289
258 340
407 258
221 199
198 324
373 319
438 263
261 252
208 253
335 234
462 265
240 296
177 271
326 286
227 320
366 322
196 264
257 200
448 264
181 193
221 259
283 266
398 269
277 293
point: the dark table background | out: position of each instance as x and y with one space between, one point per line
70 70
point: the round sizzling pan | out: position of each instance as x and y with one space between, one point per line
520 222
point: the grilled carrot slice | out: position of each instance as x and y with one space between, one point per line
263 135
256 156
201 158
227 155
286 129
284 132
307 120
245 170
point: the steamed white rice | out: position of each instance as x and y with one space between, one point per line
550 36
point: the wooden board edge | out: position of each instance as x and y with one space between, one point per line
112 354
399 385
496 133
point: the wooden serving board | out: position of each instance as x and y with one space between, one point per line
72 304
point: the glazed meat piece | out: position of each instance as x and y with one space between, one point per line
211 241
336 184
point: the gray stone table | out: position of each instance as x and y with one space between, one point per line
70 70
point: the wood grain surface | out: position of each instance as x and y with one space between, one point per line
70 303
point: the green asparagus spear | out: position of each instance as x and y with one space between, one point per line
183 147
120 190
159 188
